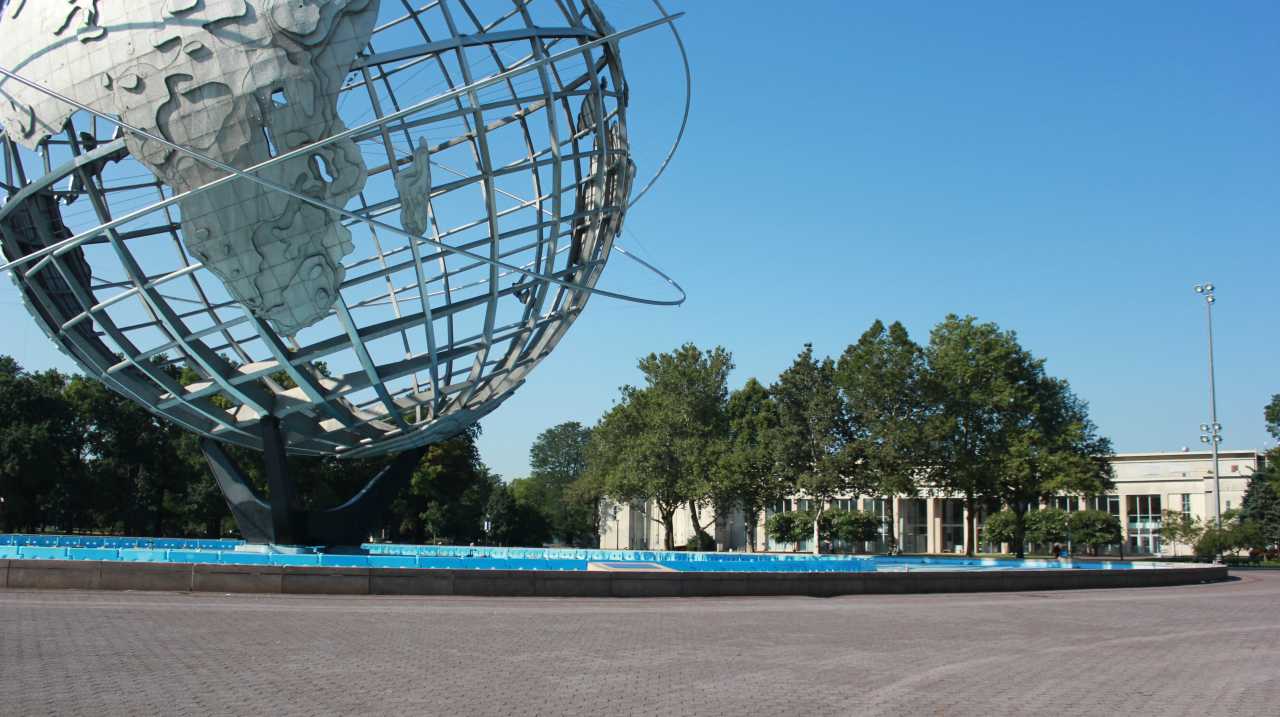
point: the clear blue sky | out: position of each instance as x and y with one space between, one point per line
1067 171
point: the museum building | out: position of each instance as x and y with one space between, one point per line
1146 485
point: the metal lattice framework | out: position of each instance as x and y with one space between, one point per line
517 112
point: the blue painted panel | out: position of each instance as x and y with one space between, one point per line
345 561
283 559
234 558
194 556
93 554
144 555
41 552
393 561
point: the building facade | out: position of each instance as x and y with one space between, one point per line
1146 485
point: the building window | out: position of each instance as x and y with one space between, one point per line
1068 503
879 507
952 525
915 526
1106 503
1186 505
1144 523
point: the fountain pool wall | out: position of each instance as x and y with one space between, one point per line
96 562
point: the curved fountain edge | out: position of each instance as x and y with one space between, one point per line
319 580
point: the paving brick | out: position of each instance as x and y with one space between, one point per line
1198 649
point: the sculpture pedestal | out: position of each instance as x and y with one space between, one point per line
280 521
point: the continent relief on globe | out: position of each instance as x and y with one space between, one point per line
239 81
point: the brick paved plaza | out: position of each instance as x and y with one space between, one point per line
1208 649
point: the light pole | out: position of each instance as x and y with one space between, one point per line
1211 432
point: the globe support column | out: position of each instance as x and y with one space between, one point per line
286 515
280 519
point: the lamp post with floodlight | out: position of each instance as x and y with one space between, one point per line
1211 432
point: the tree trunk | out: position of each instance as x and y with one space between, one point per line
750 516
817 521
970 505
699 532
1020 533
892 536
669 529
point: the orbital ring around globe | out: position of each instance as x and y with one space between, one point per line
299 342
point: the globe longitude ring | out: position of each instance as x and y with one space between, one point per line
247 189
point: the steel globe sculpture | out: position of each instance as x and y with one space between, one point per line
358 225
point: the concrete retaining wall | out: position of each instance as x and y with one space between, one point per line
115 575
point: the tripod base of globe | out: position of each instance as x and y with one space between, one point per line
278 520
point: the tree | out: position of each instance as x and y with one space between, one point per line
790 527
882 380
1094 529
747 470
853 527
1261 504
850 527
661 442
630 456
1260 509
42 480
1235 535
133 459
513 522
1044 527
816 439
1052 449
1178 528
1271 414
447 493
692 388
998 427
557 460
1001 527
587 494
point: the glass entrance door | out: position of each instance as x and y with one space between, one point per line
1144 523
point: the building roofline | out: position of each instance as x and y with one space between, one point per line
1236 453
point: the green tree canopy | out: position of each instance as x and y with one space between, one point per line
557 461
853 526
747 474
999 427
447 493
1094 529
816 437
661 442
977 382
511 521
1178 528
1053 449
1272 416
882 379
1001 527
1045 527
42 480
791 527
